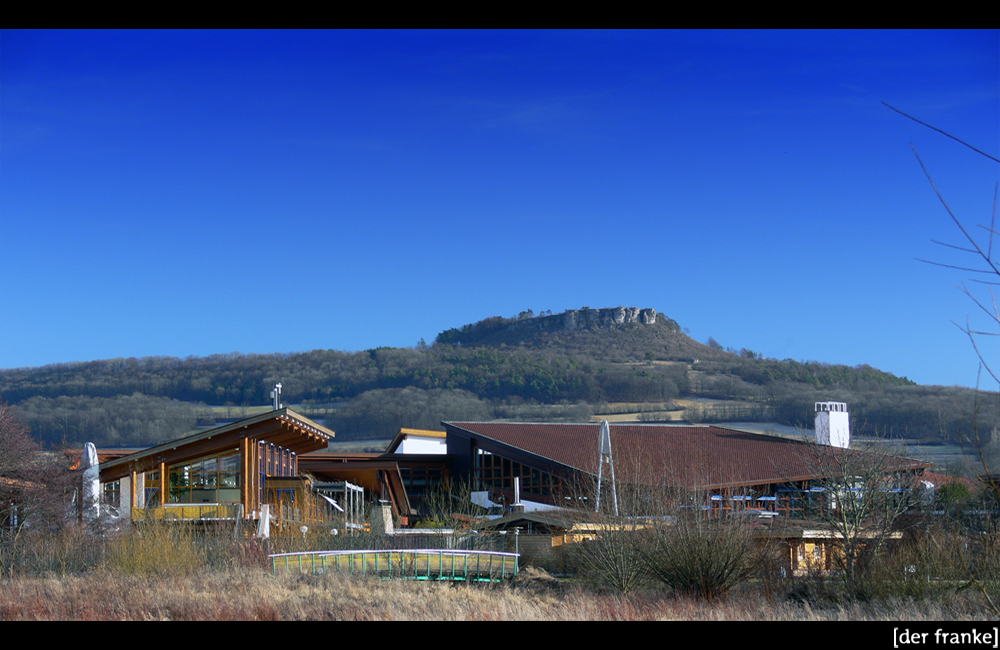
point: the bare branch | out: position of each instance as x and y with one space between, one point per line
994 315
934 128
966 250
952 266
982 359
993 221
958 223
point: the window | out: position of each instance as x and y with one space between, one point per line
494 471
111 493
215 479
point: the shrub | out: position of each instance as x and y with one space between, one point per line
615 558
700 557
155 548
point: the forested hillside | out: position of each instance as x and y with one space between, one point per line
547 367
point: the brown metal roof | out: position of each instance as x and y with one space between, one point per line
703 456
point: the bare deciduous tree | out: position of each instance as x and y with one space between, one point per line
980 550
35 486
866 491
16 445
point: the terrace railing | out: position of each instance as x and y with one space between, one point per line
190 512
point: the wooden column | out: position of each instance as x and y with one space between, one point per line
248 452
164 484
245 468
132 493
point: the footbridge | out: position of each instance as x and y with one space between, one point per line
404 564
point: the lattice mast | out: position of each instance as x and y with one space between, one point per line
604 452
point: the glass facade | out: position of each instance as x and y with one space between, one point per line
276 461
216 479
213 479
497 472
421 479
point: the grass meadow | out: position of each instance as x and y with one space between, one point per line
254 594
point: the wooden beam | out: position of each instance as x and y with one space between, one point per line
164 484
246 448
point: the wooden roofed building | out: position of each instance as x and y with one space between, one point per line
207 472
228 473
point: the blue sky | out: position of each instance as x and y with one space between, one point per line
192 193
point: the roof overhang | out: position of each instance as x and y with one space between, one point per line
282 427
404 433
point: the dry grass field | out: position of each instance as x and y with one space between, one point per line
254 594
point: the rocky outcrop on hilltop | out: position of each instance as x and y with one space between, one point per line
574 318
493 330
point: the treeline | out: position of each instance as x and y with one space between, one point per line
931 414
123 421
381 413
474 331
368 394
326 375
218 379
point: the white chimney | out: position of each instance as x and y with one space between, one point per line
833 426
517 506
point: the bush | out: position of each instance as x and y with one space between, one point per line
615 558
155 548
699 557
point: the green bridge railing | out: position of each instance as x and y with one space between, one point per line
409 564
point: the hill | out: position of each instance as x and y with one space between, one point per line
570 366
614 334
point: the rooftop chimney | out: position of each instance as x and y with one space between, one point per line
517 506
833 426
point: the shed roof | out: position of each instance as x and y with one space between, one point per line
695 456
